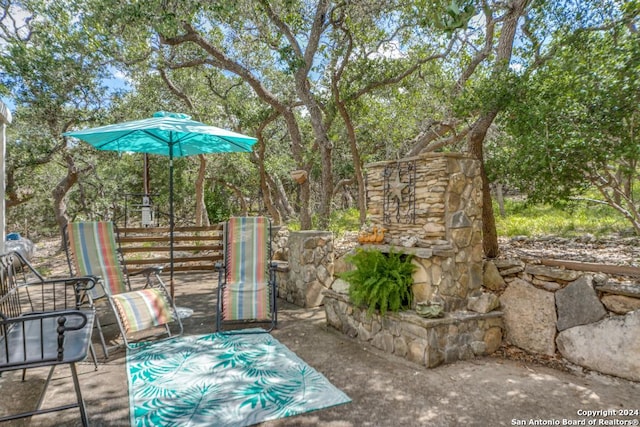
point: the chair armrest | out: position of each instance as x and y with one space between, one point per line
45 338
54 294
58 314
81 283
219 266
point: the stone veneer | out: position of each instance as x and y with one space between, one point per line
431 207
429 342
310 268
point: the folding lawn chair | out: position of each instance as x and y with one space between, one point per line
92 251
246 279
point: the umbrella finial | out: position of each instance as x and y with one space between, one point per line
168 114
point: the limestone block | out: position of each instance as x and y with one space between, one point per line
309 273
340 286
453 201
548 286
460 220
383 341
621 304
491 278
477 253
492 339
552 273
310 243
307 257
436 274
400 347
313 295
462 256
416 350
475 276
433 228
421 291
332 316
457 182
483 302
478 348
529 317
420 274
363 333
461 237
578 304
610 346
511 271
323 275
508 263
434 354
627 289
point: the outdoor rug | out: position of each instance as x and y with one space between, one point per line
222 380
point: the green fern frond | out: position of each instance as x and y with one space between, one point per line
380 281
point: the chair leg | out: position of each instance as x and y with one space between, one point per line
76 385
102 341
93 355
46 385
219 308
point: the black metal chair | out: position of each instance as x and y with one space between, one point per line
43 323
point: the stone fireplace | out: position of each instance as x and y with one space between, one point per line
429 206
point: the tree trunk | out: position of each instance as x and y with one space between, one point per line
265 188
60 192
355 155
481 126
476 144
281 197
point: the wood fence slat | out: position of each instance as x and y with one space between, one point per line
151 261
146 239
138 249
147 242
625 270
152 230
176 268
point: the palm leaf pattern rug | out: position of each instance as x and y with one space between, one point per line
222 380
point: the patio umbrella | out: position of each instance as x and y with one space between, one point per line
167 134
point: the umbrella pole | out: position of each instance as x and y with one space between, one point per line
171 222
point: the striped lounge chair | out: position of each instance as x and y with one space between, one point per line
246 279
92 251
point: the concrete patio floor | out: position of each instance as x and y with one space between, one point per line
385 390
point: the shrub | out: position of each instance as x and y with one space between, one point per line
380 281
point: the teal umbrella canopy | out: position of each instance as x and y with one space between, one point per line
168 134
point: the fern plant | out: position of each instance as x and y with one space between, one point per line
380 281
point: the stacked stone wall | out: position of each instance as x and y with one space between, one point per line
309 269
589 318
428 342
